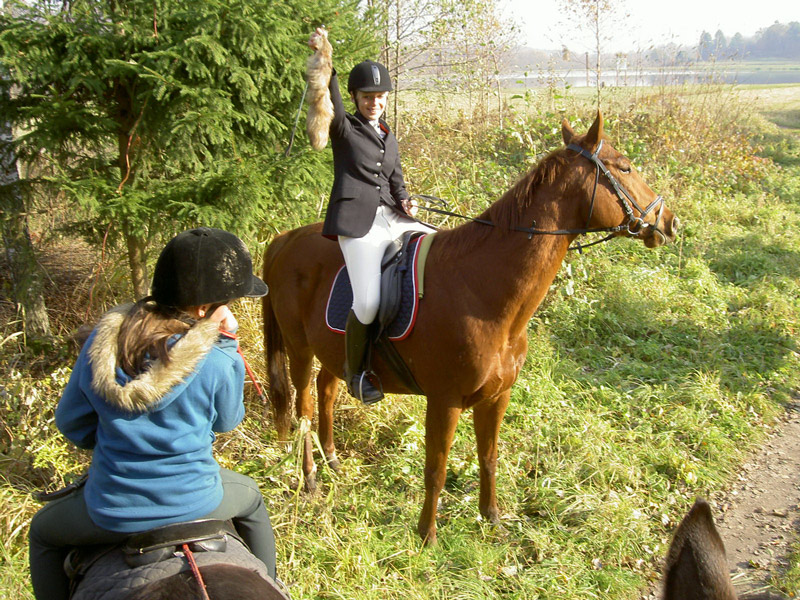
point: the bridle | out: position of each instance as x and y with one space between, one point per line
634 226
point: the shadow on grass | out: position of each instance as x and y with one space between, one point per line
632 343
743 260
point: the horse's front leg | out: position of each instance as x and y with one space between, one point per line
327 390
440 426
487 417
300 372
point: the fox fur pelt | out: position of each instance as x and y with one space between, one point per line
320 109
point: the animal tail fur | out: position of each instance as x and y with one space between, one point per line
275 348
320 109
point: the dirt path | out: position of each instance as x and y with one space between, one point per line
759 516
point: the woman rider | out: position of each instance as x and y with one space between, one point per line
369 206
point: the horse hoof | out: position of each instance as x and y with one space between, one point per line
492 515
311 484
334 463
428 536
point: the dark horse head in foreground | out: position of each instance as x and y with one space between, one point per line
483 284
696 567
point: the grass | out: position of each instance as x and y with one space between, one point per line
650 374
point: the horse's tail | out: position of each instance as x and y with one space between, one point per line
275 349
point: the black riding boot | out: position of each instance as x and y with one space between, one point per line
355 342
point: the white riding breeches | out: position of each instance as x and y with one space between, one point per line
363 258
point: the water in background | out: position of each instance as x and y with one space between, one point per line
650 77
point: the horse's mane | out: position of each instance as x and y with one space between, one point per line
507 212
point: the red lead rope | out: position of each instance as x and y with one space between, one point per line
195 571
233 336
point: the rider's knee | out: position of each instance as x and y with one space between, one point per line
365 311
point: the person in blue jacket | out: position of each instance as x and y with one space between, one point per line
152 385
369 206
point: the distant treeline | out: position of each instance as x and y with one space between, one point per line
779 40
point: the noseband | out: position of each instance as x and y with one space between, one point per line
635 225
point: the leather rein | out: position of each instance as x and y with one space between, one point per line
635 226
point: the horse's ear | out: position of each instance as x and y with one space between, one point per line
696 559
595 132
566 132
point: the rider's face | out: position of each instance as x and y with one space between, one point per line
370 104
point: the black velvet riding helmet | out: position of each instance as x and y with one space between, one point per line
369 76
204 266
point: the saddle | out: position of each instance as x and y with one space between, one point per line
397 261
153 546
106 572
402 287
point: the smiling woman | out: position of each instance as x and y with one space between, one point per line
369 205
371 104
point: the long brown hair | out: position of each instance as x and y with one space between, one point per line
144 334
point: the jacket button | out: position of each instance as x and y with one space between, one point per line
377 187
382 150
379 164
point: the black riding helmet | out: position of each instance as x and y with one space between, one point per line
204 266
369 76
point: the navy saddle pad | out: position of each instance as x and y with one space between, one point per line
340 299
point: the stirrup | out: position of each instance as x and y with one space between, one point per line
360 384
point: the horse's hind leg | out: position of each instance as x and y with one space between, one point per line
327 390
487 417
300 373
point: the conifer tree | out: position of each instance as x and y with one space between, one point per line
155 115
26 277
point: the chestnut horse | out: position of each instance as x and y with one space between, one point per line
483 284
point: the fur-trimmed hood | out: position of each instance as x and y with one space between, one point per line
160 383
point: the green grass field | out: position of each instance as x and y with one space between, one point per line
650 375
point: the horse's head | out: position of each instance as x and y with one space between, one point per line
696 567
617 194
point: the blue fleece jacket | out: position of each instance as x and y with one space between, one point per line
152 435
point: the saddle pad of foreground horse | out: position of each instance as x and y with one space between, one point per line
110 577
340 298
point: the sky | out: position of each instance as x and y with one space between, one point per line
651 22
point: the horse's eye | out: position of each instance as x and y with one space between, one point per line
625 170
